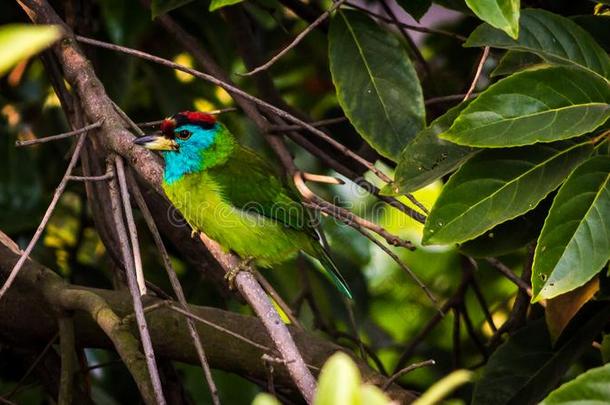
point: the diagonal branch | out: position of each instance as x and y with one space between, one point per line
297 40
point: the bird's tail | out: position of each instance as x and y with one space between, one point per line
331 270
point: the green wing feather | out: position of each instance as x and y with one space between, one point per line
250 183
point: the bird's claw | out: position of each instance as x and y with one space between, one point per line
244 265
194 233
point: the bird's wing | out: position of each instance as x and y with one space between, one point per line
250 183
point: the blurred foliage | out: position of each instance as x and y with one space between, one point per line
389 308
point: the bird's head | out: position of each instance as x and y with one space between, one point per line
187 141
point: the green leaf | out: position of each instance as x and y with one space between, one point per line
554 38
428 157
20 41
416 8
372 395
588 388
339 381
216 4
525 368
533 106
265 399
575 241
443 387
160 7
502 14
376 84
498 185
510 235
514 61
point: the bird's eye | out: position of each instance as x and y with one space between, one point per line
184 134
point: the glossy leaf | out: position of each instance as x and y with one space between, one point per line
510 235
265 399
339 381
376 84
216 4
502 14
445 386
498 185
526 367
533 106
160 7
20 41
428 157
560 310
588 388
416 8
514 61
575 241
554 38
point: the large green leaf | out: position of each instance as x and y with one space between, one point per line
376 84
575 241
20 41
510 235
216 4
525 368
554 38
497 185
428 157
416 8
502 14
533 106
514 61
588 388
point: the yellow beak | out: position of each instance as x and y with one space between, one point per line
156 142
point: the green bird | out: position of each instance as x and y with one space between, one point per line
233 195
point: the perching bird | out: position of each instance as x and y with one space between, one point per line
233 195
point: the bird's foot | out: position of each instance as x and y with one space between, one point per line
194 233
244 265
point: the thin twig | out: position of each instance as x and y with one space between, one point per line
230 88
412 47
318 178
407 370
236 335
483 303
103 177
452 97
408 26
508 273
123 238
456 355
297 40
131 224
59 136
45 219
177 287
477 75
278 299
342 213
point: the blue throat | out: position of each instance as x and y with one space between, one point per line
189 157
